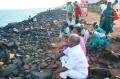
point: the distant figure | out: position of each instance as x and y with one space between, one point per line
70 10
103 6
106 19
49 9
77 10
116 5
35 19
29 19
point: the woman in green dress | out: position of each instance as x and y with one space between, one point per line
107 18
98 39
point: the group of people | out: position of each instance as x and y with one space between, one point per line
74 34
73 8
73 51
109 14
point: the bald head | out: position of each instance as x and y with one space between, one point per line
74 40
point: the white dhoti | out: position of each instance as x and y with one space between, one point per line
72 73
64 60
76 63
60 36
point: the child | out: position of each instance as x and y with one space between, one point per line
64 30
84 33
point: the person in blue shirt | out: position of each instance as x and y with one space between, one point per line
65 28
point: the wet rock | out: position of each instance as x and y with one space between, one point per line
2 78
16 73
40 75
101 72
17 78
8 70
53 56
26 67
28 60
11 44
43 65
17 43
39 51
115 66
109 66
16 60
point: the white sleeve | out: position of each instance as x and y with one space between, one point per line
66 51
96 32
68 22
72 61
73 22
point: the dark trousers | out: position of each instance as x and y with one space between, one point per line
77 17
70 15
68 77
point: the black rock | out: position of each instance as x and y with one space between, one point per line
41 75
111 55
16 73
101 72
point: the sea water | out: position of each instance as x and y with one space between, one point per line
17 15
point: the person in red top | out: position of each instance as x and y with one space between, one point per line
77 10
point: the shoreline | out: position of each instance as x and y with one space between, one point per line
17 16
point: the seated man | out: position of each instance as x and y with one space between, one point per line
71 21
75 64
64 30
78 24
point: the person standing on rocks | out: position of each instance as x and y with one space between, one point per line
77 10
75 64
102 8
29 19
70 10
116 5
106 19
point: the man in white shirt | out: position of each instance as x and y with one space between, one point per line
103 7
74 62
71 21
78 24
116 5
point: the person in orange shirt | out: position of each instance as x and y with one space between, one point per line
77 10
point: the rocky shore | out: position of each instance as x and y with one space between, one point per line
29 42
